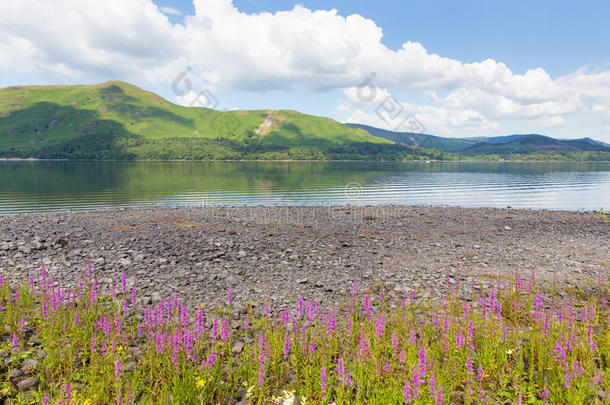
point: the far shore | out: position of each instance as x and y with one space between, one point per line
305 160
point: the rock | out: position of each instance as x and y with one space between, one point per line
29 365
34 341
302 280
457 397
130 367
15 373
242 253
508 228
238 347
27 384
125 262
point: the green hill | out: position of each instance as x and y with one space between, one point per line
116 120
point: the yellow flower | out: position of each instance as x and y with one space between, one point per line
200 382
87 402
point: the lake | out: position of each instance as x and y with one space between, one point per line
50 186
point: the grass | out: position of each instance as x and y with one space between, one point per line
508 345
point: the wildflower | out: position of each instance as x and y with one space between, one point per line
340 369
380 325
408 393
68 394
439 396
545 393
123 283
224 330
286 347
117 369
211 358
15 343
323 380
459 340
200 382
432 384
395 342
134 296
469 365
367 307
215 330
422 361
230 296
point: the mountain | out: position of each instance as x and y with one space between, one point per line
497 145
523 144
417 139
116 120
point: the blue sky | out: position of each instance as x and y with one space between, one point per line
469 68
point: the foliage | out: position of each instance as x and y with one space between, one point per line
509 344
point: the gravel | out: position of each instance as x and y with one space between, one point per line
276 254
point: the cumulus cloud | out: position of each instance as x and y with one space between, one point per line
320 49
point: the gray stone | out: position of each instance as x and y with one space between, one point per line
15 373
27 384
238 347
29 365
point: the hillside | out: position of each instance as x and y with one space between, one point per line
116 120
517 144
420 140
531 143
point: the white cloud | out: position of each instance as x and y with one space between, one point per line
170 11
71 40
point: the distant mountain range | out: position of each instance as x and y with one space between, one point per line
518 143
116 120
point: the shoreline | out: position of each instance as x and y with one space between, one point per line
302 160
277 254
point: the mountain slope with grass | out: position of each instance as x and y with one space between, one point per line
116 120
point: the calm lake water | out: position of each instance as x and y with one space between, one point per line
42 186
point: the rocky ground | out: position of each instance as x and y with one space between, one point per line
276 254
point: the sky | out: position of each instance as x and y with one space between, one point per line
462 69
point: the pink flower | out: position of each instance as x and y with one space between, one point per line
286 347
117 369
408 393
323 380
